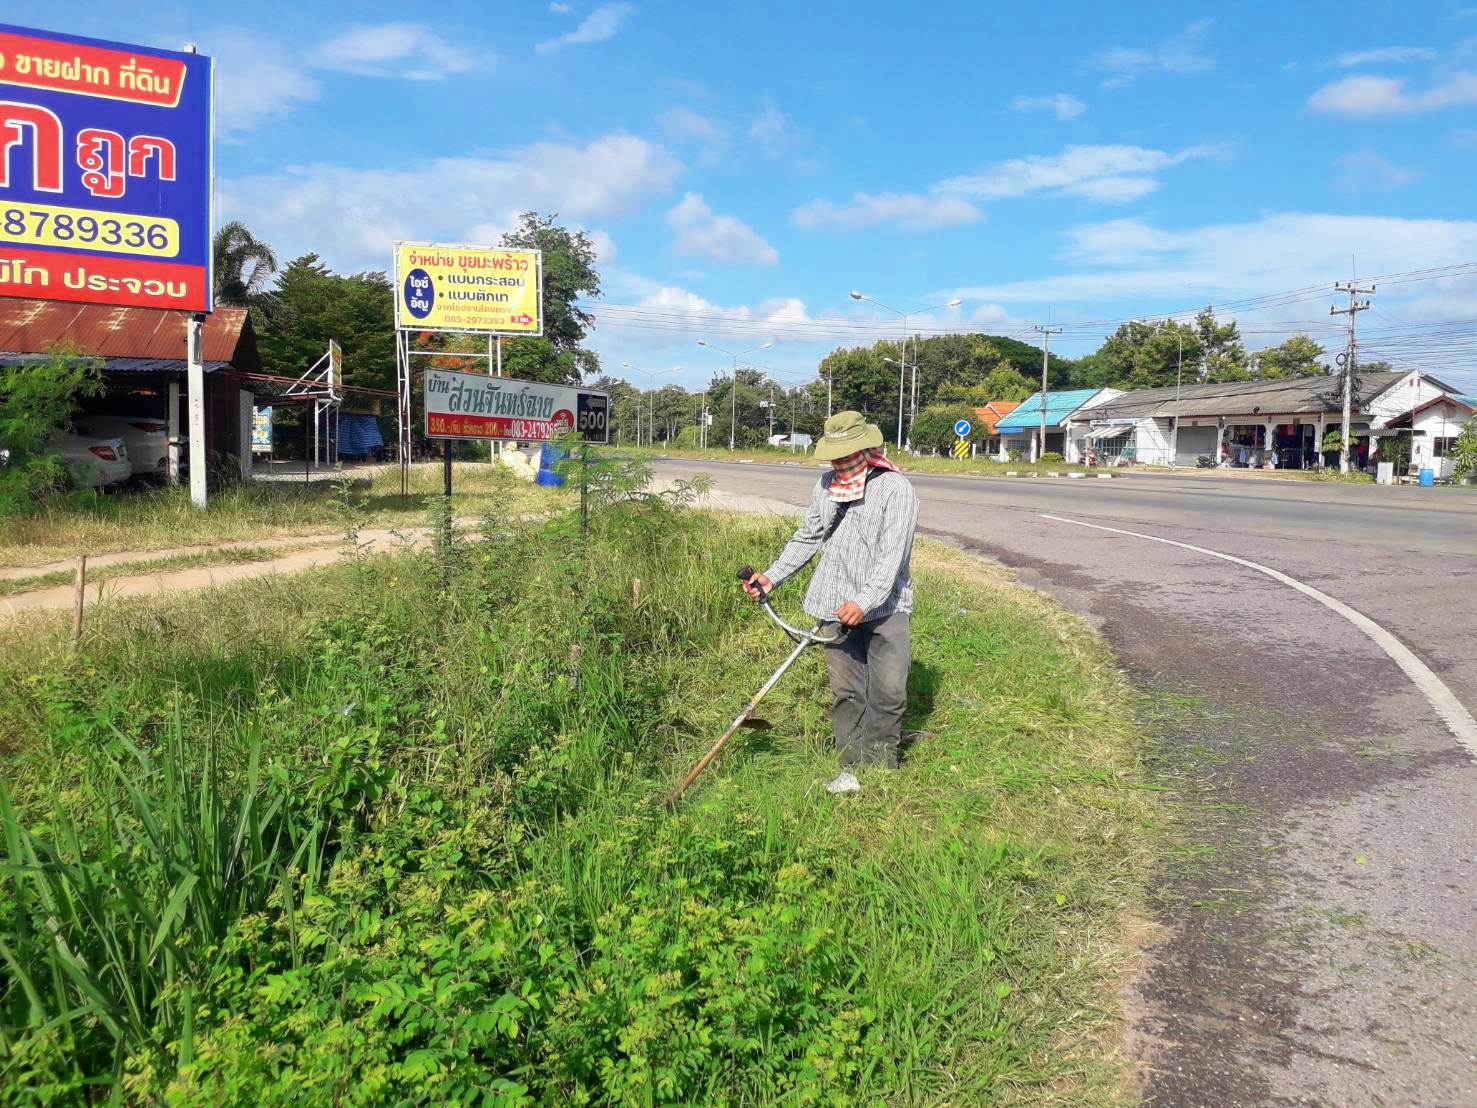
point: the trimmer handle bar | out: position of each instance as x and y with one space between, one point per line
795 634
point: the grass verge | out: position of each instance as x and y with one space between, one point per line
391 832
158 518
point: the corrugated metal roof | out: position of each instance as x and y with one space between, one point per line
1059 405
1295 396
36 326
117 365
993 412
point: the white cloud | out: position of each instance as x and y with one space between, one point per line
686 125
1384 54
407 50
561 9
772 130
1129 260
601 25
351 215
990 313
1063 105
908 211
702 232
252 82
1375 96
1110 174
1364 170
1177 54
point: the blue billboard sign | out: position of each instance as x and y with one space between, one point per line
106 171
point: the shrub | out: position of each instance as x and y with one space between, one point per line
1464 453
1052 458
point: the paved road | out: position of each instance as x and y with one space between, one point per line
1321 941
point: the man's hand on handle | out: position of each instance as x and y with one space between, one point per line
755 583
849 614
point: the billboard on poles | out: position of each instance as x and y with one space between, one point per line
468 288
475 406
105 172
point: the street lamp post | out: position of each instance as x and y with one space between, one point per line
902 368
651 376
733 397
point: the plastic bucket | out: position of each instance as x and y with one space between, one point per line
1428 477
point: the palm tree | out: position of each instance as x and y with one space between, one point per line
243 266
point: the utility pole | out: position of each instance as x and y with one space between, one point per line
1350 362
1046 333
771 411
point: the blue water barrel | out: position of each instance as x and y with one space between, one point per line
1428 477
549 456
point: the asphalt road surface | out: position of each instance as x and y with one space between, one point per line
1320 924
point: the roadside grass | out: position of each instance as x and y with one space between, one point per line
10 586
391 831
158 518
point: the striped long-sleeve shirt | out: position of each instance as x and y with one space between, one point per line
868 558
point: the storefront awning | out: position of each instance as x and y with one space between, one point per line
1109 432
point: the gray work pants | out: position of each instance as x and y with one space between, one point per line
869 690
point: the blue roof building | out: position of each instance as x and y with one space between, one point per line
1060 406
1019 430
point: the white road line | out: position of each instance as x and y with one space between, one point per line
1435 690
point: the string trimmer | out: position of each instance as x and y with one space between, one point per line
800 638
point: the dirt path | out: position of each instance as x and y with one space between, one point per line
326 550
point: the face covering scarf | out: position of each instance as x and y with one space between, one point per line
849 474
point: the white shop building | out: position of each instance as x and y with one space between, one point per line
1252 424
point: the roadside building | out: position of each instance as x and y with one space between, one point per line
143 357
1434 428
1019 430
1246 423
986 424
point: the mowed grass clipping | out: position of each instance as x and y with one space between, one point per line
460 886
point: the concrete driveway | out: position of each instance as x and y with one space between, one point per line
1321 913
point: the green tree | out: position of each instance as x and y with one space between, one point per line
934 428
244 264
1464 452
569 276
1297 357
1006 383
311 305
1223 357
36 400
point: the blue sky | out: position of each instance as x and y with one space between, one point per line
743 166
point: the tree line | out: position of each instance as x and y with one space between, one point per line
299 307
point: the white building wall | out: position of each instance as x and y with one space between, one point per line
1440 421
1410 392
1151 441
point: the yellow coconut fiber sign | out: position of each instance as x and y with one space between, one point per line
468 288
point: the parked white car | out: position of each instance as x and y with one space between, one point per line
92 462
146 438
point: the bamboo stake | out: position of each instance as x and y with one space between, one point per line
79 595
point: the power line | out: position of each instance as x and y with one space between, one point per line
1349 362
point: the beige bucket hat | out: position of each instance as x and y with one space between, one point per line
846 433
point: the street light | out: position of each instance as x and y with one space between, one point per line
902 366
733 398
651 376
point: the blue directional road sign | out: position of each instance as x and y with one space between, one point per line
962 428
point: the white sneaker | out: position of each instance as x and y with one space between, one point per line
845 782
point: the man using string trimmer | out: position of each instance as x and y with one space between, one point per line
861 517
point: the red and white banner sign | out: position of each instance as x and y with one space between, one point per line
475 406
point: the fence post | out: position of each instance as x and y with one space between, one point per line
79 598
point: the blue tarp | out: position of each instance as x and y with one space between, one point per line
358 435
1059 406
